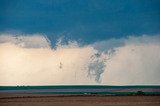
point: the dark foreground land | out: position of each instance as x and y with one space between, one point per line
81 95
80 100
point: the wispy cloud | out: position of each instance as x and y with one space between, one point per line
27 41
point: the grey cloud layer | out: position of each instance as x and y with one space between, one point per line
28 41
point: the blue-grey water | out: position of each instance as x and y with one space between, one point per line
80 89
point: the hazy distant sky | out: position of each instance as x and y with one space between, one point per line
114 42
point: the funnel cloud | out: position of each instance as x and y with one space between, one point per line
30 60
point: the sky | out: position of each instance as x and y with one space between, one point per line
48 42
